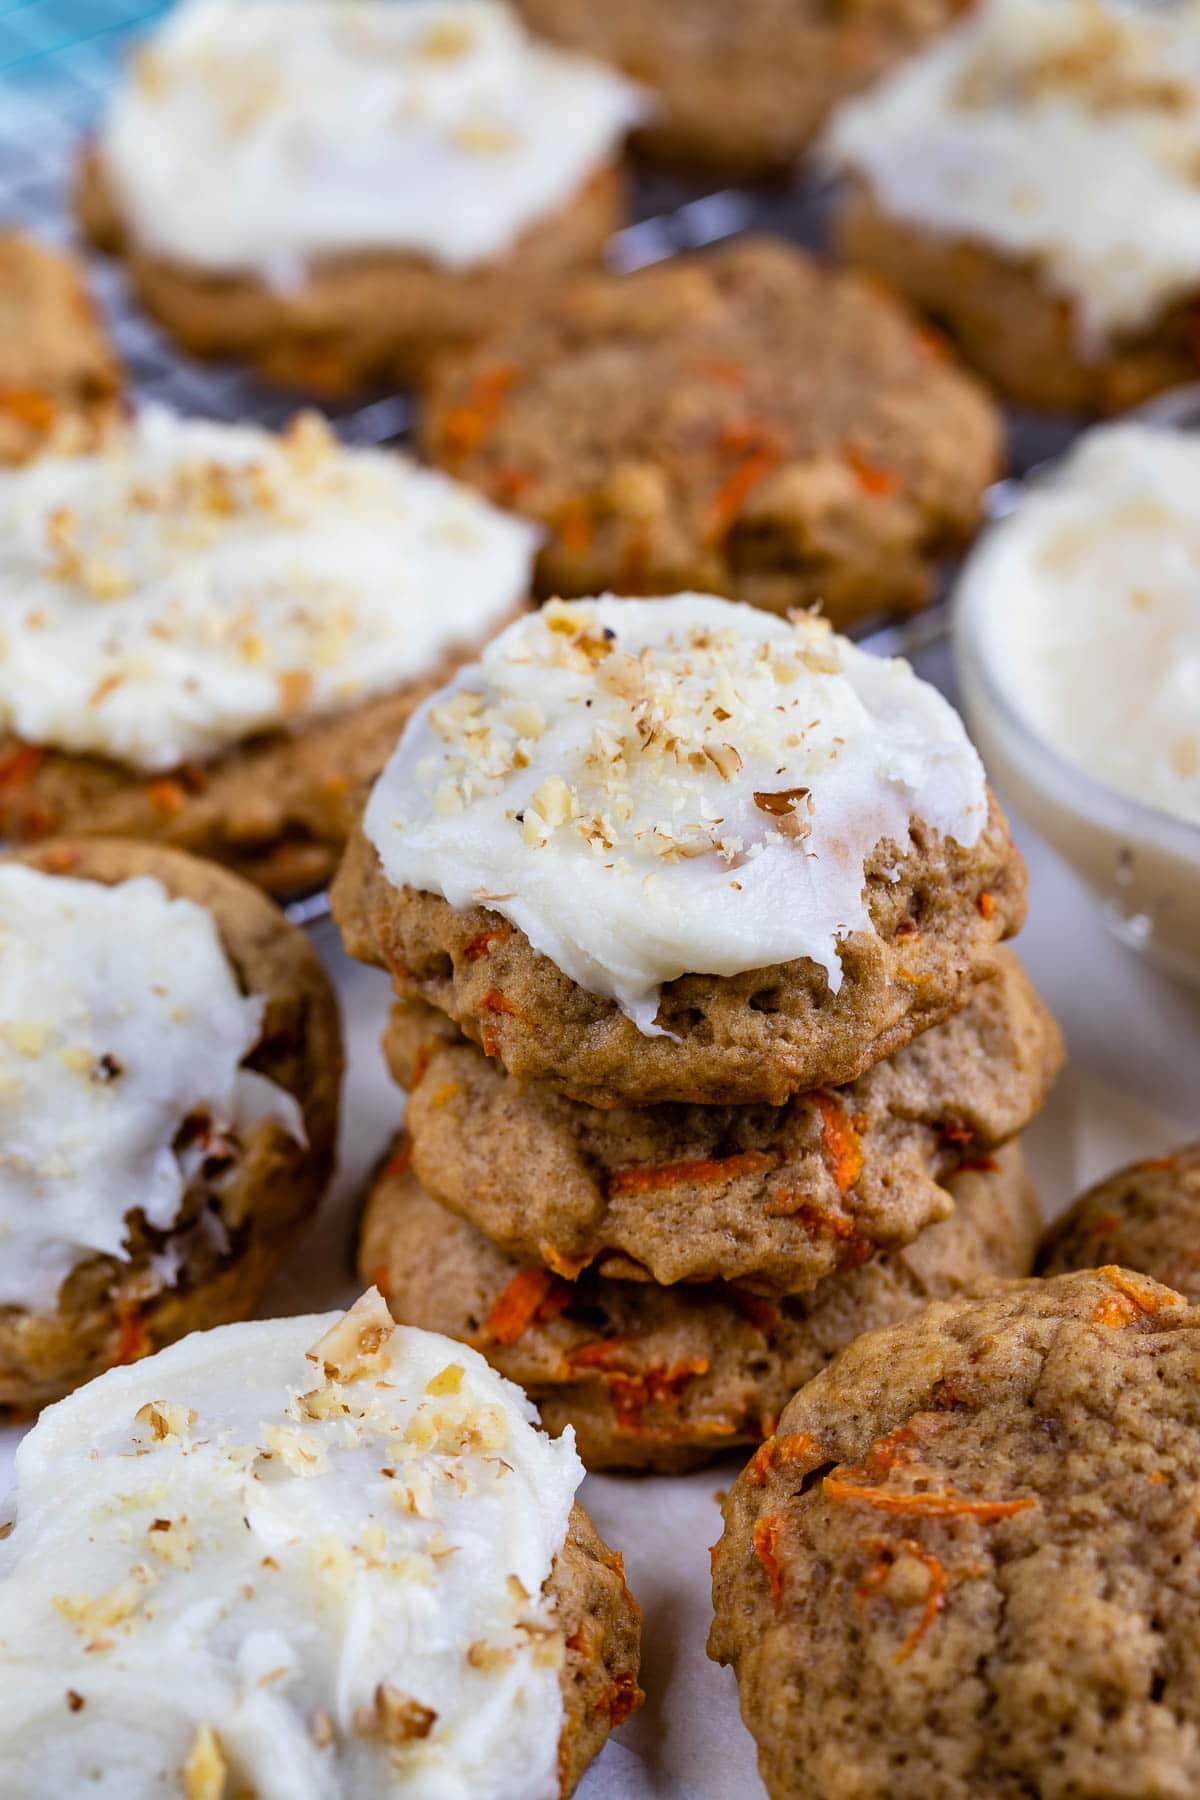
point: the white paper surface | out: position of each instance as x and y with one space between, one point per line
1132 1088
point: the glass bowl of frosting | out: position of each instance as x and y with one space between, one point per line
1077 642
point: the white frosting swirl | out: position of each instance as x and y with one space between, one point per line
649 788
191 583
120 1018
1085 602
240 1568
258 134
1064 131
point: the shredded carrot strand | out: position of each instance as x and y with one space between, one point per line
517 1307
32 407
736 489
467 426
401 1162
481 944
20 765
767 1533
651 1178
872 478
925 1506
986 905
840 1141
793 1446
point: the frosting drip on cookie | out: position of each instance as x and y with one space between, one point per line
122 1034
258 134
192 583
1085 598
650 788
1063 132
298 1559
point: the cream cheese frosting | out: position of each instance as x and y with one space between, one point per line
648 788
1062 131
1085 604
257 135
121 1022
298 1559
192 583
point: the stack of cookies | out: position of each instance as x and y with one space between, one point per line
714 1059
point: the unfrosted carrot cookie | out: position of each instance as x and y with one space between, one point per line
308 1556
212 635
966 1566
59 377
776 1198
682 850
170 1061
743 422
338 204
666 1378
1145 1217
1030 180
743 88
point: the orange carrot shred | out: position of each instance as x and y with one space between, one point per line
651 1178
840 1142
381 1278
401 1162
31 406
871 478
1130 1301
736 489
20 765
494 1002
793 1446
517 1307
167 797
575 529
767 1532
481 944
925 1505
133 1340
466 427
763 1314
986 905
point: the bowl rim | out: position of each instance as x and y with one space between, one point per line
1176 410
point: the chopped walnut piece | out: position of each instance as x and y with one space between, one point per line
203 1774
395 1717
356 1345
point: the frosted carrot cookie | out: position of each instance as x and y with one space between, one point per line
682 850
169 1069
976 174
339 203
59 376
665 1378
742 88
1145 1217
210 635
313 1556
743 422
966 1566
776 1198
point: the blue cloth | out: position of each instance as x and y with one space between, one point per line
76 41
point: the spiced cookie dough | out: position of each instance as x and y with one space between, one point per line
340 204
776 1198
213 634
59 376
743 422
666 1378
1145 1217
311 1555
170 1060
742 89
680 850
974 172
966 1566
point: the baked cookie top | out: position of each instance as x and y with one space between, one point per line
435 128
306 1555
1007 128
650 788
742 421
123 1034
190 583
967 1562
59 378
1146 1217
778 1198
1084 602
